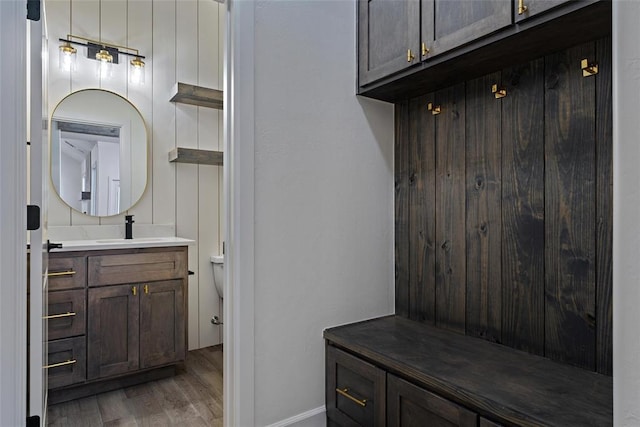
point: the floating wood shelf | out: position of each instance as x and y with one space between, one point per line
192 155
197 95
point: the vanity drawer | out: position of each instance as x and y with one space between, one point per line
355 390
66 313
137 267
67 362
67 272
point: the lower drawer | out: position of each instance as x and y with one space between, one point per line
355 390
66 314
67 362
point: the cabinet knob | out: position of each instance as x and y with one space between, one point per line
522 8
146 289
134 290
425 49
410 55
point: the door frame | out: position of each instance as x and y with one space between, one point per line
238 376
13 200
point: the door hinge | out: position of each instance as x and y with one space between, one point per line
33 421
33 10
33 217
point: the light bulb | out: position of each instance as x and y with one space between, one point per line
136 71
105 60
67 57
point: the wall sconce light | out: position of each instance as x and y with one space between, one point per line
106 54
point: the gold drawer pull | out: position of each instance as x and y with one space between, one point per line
61 273
521 7
56 365
146 289
345 392
58 316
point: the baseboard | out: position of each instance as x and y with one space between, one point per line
300 417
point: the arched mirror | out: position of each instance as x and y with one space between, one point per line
98 152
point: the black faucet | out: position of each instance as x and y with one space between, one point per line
128 226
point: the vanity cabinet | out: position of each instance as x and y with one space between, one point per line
115 316
393 371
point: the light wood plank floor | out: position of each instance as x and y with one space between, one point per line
191 398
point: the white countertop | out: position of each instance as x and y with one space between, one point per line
103 244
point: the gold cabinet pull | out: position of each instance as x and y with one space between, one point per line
345 392
58 316
61 273
521 7
425 50
56 365
134 291
410 55
146 289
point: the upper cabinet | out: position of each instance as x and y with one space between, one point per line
448 24
523 9
389 37
394 35
411 47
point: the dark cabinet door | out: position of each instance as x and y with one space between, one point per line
457 22
355 391
412 406
523 9
162 323
113 325
388 37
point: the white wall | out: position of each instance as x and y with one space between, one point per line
626 211
182 41
323 198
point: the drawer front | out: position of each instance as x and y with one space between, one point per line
355 390
67 362
66 314
137 267
67 272
409 405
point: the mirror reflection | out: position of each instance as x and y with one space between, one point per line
98 152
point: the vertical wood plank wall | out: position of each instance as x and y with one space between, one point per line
182 41
504 208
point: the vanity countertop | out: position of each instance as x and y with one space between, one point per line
102 244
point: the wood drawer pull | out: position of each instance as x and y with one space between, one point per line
58 316
345 392
56 365
61 273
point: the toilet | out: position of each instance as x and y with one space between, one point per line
218 273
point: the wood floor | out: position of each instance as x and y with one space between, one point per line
191 398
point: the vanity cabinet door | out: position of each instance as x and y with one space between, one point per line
113 326
162 323
409 405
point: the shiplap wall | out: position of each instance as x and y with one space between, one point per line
182 41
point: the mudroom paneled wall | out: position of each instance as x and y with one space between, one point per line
503 207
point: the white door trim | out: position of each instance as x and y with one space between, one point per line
13 199
239 214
